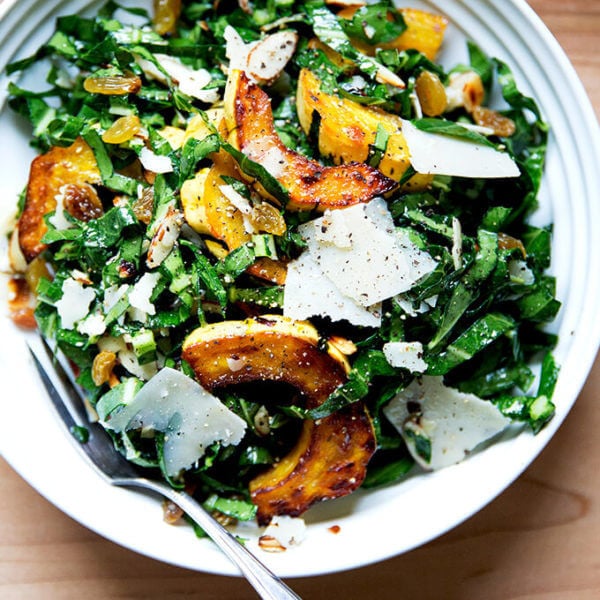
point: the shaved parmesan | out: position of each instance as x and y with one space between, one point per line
191 418
112 295
285 531
93 325
308 293
140 293
334 231
269 157
447 422
155 163
437 154
75 302
412 311
369 261
405 355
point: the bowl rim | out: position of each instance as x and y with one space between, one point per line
11 9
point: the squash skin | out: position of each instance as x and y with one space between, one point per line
347 129
330 457
310 185
74 165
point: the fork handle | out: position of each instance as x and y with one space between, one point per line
263 580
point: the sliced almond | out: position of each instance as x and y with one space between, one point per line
267 59
269 544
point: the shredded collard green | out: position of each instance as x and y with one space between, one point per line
479 315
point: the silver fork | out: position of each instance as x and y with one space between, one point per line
116 470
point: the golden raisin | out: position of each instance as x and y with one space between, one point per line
112 85
122 130
82 202
166 14
508 242
501 125
36 270
431 93
144 206
268 219
102 367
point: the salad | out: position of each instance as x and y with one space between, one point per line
285 250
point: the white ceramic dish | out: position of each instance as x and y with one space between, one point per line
377 524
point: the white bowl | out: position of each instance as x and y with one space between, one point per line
377 524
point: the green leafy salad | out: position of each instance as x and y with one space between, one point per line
286 252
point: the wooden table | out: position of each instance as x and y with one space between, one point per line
539 539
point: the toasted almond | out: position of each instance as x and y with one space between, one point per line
344 345
267 59
269 544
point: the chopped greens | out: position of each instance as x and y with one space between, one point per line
158 245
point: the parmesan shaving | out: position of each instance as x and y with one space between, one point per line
374 261
191 418
75 302
285 531
308 293
452 423
140 293
405 355
437 154
155 163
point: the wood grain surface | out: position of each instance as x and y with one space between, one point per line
539 539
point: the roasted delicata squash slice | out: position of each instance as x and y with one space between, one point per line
73 170
209 211
330 457
309 184
347 130
193 204
424 32
201 126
